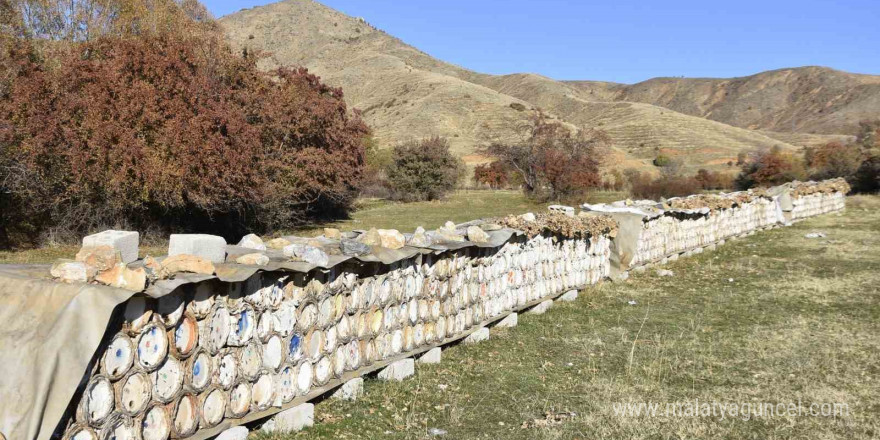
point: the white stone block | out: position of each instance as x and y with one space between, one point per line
350 390
235 433
431 356
569 296
509 321
126 242
541 307
711 247
294 419
478 336
209 247
673 257
398 370
640 269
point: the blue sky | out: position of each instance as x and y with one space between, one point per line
626 41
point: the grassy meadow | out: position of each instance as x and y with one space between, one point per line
775 317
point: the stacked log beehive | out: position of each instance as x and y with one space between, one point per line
215 351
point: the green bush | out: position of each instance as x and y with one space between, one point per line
423 170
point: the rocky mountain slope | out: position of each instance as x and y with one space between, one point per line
405 93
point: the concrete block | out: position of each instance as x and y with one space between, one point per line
398 371
431 356
350 390
509 321
126 242
291 420
541 307
236 433
569 296
209 247
478 336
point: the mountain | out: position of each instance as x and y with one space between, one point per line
808 100
405 93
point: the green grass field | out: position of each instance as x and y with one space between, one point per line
775 318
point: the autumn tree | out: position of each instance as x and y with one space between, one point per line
833 159
767 167
554 160
167 131
493 175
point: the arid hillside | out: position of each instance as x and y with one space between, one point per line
808 100
405 93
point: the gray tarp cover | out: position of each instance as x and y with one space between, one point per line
50 331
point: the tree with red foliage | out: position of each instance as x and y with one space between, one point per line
493 174
170 131
769 167
554 158
833 159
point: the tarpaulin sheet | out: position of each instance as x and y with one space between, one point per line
49 334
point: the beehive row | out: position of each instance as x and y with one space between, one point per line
815 204
216 351
674 233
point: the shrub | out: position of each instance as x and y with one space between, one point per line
424 169
769 167
833 160
493 175
517 106
170 132
662 160
710 180
665 187
867 177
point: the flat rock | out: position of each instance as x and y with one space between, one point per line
480 335
252 241
124 278
353 247
541 307
569 296
255 259
477 235
350 390
509 321
449 233
567 210
665 273
399 370
277 243
391 238
291 420
529 217
420 238
126 242
71 271
431 356
815 235
235 433
209 247
371 238
100 258
308 253
186 263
